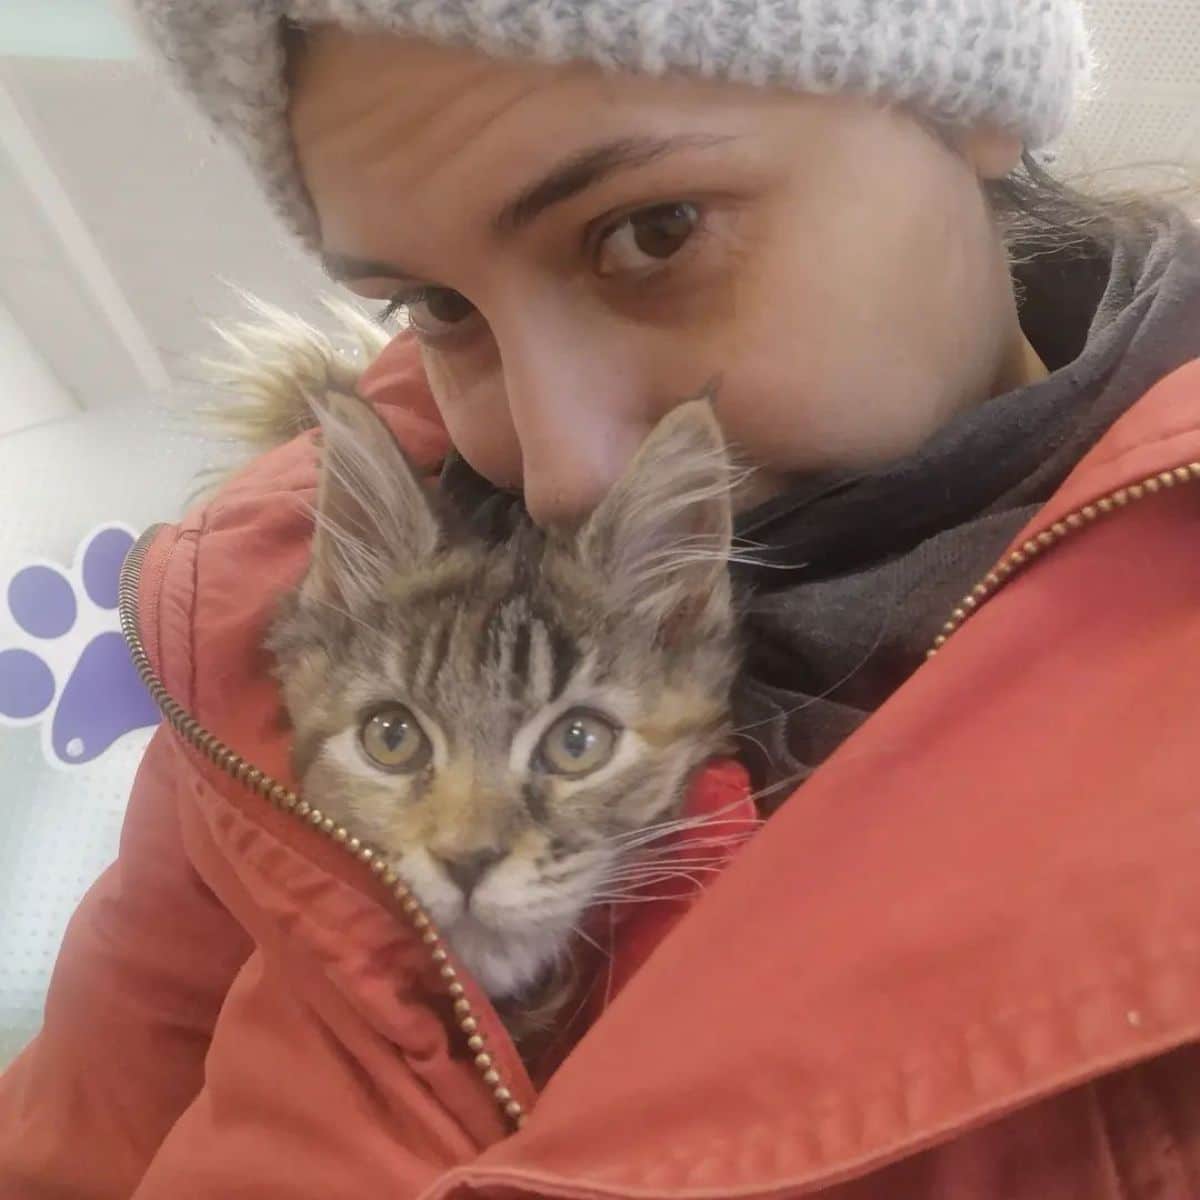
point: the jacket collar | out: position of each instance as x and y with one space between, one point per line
987 896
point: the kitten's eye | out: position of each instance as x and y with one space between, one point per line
577 744
645 239
394 740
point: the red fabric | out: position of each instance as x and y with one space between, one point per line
962 961
632 932
395 381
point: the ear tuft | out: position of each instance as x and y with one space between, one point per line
661 537
373 517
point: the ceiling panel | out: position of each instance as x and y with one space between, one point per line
24 235
174 216
87 29
29 391
181 289
135 157
68 332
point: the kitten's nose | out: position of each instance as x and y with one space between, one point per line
468 869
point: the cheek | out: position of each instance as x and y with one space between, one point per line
530 857
858 339
470 395
388 814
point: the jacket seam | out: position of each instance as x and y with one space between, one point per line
153 594
193 666
1192 429
910 1140
1190 425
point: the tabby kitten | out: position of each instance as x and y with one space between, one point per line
506 721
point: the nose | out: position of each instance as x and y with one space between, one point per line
466 870
576 412
565 479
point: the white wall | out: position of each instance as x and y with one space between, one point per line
63 29
29 391
132 465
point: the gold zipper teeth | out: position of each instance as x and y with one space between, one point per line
289 801
371 857
1036 546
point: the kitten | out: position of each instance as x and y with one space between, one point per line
503 720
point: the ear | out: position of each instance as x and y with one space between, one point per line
373 517
661 537
992 153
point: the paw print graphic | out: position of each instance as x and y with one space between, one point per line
73 674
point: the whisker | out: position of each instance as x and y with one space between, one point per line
656 861
884 626
612 938
657 871
638 898
741 733
787 783
661 828
591 941
716 838
637 887
660 876
344 612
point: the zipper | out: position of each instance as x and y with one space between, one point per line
372 858
1036 546
283 798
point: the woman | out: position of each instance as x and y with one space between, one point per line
961 959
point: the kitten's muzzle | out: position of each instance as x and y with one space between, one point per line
468 869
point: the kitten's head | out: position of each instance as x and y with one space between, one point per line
505 721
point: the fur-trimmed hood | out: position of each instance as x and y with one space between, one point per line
273 364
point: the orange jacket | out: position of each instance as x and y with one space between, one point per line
963 960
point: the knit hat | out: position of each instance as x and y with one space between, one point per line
1015 64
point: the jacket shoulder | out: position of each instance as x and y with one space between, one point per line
217 573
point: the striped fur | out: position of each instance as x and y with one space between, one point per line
488 646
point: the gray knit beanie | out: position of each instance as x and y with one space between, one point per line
1016 64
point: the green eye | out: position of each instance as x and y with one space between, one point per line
394 740
577 744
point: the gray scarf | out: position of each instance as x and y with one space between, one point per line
861 572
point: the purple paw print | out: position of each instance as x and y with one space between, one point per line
80 681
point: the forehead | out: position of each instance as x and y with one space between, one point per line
506 653
479 647
347 89
392 132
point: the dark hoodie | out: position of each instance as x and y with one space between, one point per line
855 574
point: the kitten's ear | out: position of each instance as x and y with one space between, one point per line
661 537
372 515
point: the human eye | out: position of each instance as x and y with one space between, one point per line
643 241
434 312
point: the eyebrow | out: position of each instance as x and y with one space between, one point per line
345 268
589 168
561 183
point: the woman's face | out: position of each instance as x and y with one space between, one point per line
579 252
